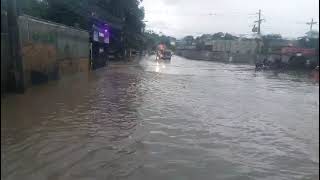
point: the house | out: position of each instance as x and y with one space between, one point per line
312 34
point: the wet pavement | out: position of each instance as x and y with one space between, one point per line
178 120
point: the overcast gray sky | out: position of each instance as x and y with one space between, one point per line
194 17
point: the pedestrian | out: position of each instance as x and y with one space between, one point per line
265 62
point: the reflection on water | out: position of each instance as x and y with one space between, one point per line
164 120
160 65
315 76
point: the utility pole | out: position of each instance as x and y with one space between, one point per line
258 30
15 46
259 22
311 24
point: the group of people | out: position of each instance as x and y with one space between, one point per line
265 64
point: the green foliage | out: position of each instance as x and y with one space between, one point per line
126 13
309 42
272 42
228 36
218 36
152 39
34 8
201 41
68 12
271 37
189 40
223 36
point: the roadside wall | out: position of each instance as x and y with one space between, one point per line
217 56
4 51
51 49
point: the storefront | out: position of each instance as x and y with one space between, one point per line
99 45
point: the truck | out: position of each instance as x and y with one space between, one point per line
163 53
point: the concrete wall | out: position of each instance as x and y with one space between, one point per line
52 49
217 56
237 51
235 46
242 58
4 61
4 51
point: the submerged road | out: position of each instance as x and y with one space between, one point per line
178 120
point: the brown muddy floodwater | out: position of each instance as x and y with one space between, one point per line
183 120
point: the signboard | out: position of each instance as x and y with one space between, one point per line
100 34
106 39
95 36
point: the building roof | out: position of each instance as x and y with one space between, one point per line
312 34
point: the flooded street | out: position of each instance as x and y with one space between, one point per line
178 120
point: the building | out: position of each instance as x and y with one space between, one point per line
312 34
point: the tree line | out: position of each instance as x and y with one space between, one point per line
267 40
152 39
128 13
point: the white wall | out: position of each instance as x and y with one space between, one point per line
235 46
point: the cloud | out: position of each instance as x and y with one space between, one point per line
182 17
159 24
172 2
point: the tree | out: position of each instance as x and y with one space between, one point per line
152 40
223 36
309 42
271 42
134 25
272 36
68 12
126 13
228 36
200 42
218 36
34 8
189 40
